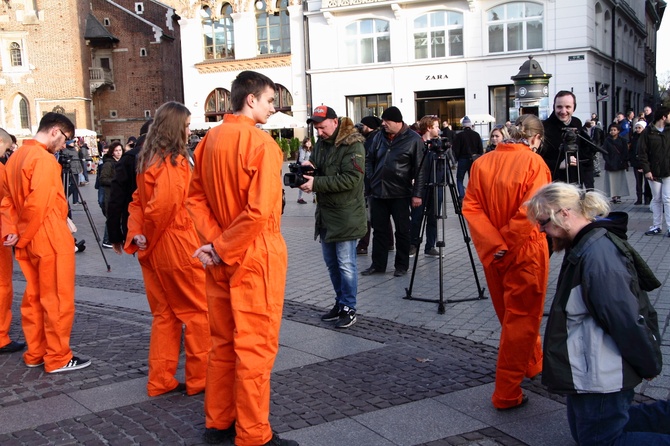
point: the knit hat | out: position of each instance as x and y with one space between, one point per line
371 121
466 122
392 114
642 124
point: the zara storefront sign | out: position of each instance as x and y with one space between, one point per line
344 3
436 77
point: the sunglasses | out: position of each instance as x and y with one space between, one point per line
544 222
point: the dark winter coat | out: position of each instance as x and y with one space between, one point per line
617 154
340 162
466 144
653 151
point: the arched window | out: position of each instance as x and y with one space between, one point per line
217 104
272 27
15 54
218 34
283 99
438 34
23 113
516 26
368 41
607 26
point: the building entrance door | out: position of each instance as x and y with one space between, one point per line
447 105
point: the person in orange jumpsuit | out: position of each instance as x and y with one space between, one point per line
161 229
513 252
6 270
34 220
236 202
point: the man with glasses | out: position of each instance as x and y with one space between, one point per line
34 220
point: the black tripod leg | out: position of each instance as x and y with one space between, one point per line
90 221
422 231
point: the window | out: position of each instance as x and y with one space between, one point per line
147 113
515 26
15 54
283 99
219 38
368 41
24 116
217 104
113 114
106 22
143 52
139 8
438 34
359 107
272 27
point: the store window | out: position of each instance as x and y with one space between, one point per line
218 33
217 104
438 34
359 107
273 32
516 26
368 41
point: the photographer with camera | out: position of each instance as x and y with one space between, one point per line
69 161
339 159
555 149
429 126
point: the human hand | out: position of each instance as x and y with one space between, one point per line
307 187
207 255
416 202
118 248
11 240
141 241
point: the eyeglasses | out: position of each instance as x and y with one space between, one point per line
544 222
64 135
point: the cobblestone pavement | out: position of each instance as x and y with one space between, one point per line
403 375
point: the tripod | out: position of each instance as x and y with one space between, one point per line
441 177
69 178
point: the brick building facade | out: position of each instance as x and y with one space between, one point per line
108 65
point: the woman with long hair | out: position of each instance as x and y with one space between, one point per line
304 153
161 231
513 251
498 134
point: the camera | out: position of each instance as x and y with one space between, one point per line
64 159
437 145
569 139
296 176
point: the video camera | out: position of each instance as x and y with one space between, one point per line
569 139
296 176
64 159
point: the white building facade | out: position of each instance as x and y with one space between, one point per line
444 58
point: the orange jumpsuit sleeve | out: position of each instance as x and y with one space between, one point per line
8 215
494 207
260 166
159 197
203 216
37 182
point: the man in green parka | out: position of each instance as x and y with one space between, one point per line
339 160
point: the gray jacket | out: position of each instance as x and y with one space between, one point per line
602 333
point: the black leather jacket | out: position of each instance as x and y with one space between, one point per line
393 166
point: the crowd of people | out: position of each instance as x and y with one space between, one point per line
206 228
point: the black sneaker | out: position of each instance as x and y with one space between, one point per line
654 230
13 347
433 252
412 250
107 245
347 318
74 364
218 436
276 441
332 315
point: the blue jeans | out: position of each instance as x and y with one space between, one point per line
340 258
610 419
462 168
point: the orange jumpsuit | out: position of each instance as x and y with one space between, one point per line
6 286
34 207
173 280
500 183
236 201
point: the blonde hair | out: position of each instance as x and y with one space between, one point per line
503 131
167 136
525 127
553 197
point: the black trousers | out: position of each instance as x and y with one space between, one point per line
382 209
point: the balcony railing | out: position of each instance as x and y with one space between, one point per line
99 77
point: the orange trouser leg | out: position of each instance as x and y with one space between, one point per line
6 294
245 323
47 311
523 279
183 280
165 338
